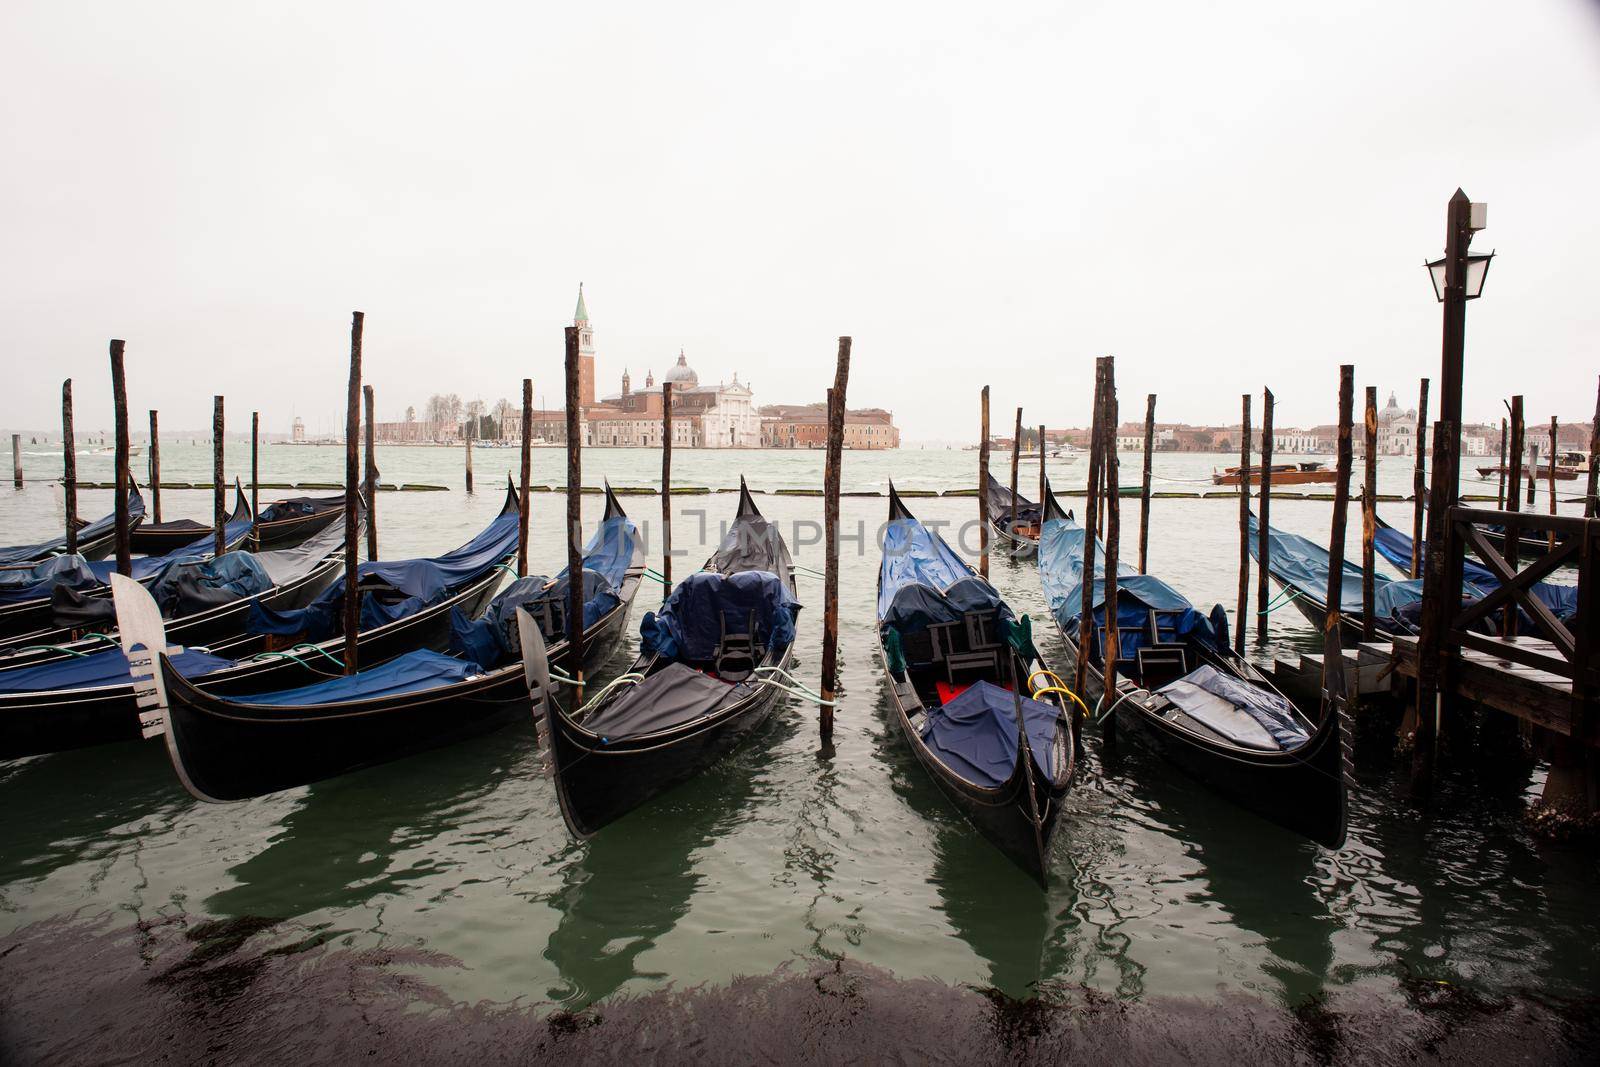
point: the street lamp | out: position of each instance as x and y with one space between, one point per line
1477 269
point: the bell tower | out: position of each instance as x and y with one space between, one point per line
580 319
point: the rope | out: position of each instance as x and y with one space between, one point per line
51 648
514 575
67 648
630 678
289 653
1279 601
799 688
1098 719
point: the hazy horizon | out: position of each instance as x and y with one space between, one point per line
1221 200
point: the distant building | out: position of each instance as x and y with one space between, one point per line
297 432
806 426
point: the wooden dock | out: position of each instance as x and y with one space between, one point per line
1542 697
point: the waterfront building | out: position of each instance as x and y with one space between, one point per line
806 426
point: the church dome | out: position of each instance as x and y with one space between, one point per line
680 374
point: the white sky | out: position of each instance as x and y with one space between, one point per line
977 193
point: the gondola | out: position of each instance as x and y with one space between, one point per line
160 538
1299 568
407 604
234 748
1183 692
1021 537
288 522
96 540
1476 581
957 659
26 593
202 601
705 679
1530 541
1282 474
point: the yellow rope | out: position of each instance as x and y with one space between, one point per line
1063 689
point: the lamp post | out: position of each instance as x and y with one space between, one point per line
1457 278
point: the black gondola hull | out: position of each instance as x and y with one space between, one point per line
226 751
281 533
1000 816
1304 791
599 783
32 724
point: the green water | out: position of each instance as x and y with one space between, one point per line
784 854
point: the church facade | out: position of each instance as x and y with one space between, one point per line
703 416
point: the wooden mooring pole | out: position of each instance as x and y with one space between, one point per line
1091 511
1369 513
1109 421
69 467
352 488
1419 478
1242 619
1144 485
1511 543
467 441
1333 690
1500 491
155 468
16 461
219 514
1263 545
574 514
370 473
1591 496
119 407
837 405
1042 478
255 465
666 490
983 486
525 475
1533 473
1551 481
1016 452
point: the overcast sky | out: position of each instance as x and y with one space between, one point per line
977 193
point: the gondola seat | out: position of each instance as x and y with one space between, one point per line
707 608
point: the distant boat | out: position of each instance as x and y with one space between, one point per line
1282 474
1570 466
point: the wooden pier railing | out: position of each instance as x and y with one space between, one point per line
1566 650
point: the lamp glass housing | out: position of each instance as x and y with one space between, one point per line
1477 271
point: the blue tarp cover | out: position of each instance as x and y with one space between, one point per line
187 586
915 555
1061 574
295 507
96 529
75 572
975 734
413 672
32 583
1244 713
1302 563
689 625
923 582
605 563
96 670
394 589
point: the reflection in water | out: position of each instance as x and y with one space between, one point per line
990 903
79 806
1265 878
628 886
339 848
